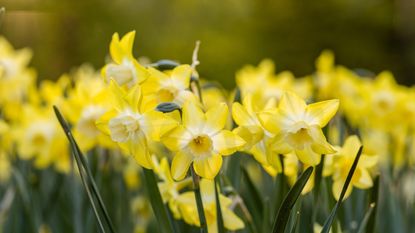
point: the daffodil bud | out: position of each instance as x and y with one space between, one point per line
165 64
167 107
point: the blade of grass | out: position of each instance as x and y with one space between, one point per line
86 176
219 217
287 205
295 228
365 220
199 201
160 211
330 219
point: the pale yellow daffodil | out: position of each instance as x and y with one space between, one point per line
297 127
202 140
125 69
130 126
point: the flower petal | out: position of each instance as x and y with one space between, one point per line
231 221
138 148
216 118
292 104
308 156
337 189
181 75
177 139
226 142
180 165
157 124
193 117
208 167
320 113
240 115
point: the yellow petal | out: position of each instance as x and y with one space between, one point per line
193 117
102 122
292 104
138 148
209 166
274 160
117 96
180 165
181 75
177 139
134 97
308 156
279 144
271 121
320 144
368 161
251 134
226 142
337 189
157 124
122 49
240 115
216 118
231 220
364 180
351 146
320 113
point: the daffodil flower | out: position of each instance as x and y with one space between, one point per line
202 140
130 126
297 127
125 69
169 189
341 163
169 87
188 208
256 136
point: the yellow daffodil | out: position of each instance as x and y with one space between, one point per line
187 206
169 87
130 126
202 140
341 163
84 106
125 69
169 189
297 127
256 136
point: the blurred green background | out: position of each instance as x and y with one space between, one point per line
371 34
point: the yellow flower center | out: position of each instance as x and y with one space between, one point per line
200 145
300 136
166 94
124 127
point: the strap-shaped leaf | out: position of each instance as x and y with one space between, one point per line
219 217
281 220
160 210
365 220
199 201
330 219
86 177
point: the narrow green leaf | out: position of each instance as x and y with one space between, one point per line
160 210
287 205
199 201
374 196
365 220
296 223
329 221
86 176
219 217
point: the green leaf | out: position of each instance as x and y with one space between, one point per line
219 217
86 177
160 210
296 223
365 220
287 205
329 221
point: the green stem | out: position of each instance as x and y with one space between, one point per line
199 202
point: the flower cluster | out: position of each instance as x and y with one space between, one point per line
169 120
